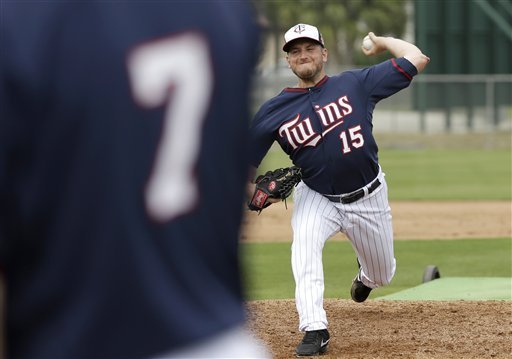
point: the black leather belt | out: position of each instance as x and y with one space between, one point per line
353 196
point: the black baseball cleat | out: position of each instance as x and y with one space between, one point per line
314 342
359 292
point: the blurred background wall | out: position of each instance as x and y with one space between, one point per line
467 87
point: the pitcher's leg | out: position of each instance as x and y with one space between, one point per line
371 234
312 226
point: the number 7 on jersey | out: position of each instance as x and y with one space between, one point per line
180 63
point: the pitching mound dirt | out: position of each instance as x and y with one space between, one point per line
393 329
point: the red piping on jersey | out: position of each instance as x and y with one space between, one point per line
300 89
409 77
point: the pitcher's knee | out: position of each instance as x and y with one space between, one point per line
384 280
382 277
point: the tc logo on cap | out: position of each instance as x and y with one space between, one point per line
299 28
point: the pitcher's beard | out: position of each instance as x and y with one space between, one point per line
309 74
305 75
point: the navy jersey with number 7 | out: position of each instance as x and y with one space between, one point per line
116 118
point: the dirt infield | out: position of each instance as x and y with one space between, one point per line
390 329
397 329
411 220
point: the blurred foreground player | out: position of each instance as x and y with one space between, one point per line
115 118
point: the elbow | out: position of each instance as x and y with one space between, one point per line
420 61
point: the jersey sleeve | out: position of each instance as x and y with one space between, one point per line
387 78
261 138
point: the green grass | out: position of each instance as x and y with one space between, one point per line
268 272
448 175
436 174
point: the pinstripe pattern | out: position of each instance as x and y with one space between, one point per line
367 224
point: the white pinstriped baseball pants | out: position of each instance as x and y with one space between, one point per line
366 223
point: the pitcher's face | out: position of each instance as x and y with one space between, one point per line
306 58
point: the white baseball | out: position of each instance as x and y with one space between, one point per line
367 43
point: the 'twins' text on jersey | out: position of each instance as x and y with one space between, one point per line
300 131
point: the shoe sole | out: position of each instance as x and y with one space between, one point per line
321 351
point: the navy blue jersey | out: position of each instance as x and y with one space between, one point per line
117 118
327 129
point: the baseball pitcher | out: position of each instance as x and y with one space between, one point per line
324 124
